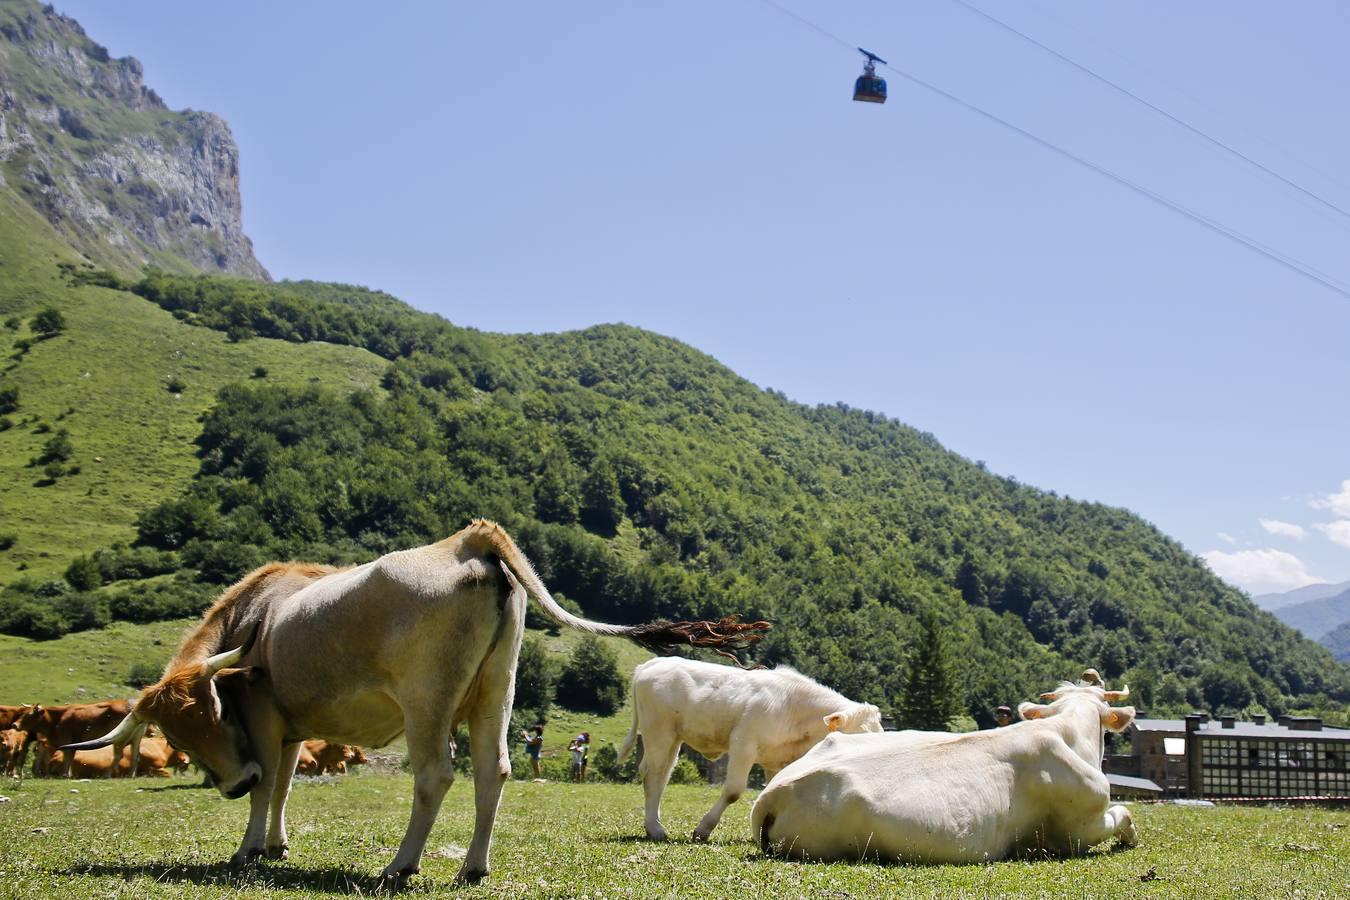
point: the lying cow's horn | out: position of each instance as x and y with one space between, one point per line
230 657
1050 695
1092 676
1116 696
119 735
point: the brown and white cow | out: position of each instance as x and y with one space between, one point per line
919 796
55 726
415 642
769 716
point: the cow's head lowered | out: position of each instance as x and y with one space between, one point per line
203 709
855 719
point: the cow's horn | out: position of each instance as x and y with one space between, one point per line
119 735
1116 696
1050 695
230 657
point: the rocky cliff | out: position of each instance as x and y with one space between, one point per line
125 179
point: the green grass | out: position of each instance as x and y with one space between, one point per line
83 667
166 839
104 379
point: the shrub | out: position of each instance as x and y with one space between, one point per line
591 679
536 677
57 449
173 523
155 603
7 541
259 371
143 674
606 766
175 385
9 399
13 323
84 574
685 772
24 615
6 423
48 323
83 612
221 562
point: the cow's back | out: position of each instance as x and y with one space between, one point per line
911 796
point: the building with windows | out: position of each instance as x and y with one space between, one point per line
1224 758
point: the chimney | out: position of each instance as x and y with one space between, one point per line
1258 719
1227 721
1305 723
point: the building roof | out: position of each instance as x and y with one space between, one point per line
1269 731
1134 784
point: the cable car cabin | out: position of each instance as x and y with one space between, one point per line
869 89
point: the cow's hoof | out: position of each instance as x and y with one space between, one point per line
700 837
471 876
396 879
279 852
244 858
658 835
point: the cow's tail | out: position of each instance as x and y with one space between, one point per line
725 636
628 742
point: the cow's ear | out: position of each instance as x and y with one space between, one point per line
835 721
1118 718
1034 710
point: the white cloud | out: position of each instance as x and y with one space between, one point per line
1260 571
1339 504
1288 529
1227 538
1337 532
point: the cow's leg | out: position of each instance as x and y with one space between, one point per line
489 750
136 737
659 752
255 835
739 761
433 773
277 845
1115 822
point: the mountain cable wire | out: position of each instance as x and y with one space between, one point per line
1291 263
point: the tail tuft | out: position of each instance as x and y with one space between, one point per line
726 636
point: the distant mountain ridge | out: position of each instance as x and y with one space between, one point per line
124 179
1304 594
1316 618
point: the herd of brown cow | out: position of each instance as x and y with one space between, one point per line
41 729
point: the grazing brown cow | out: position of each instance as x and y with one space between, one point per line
13 748
10 715
58 725
332 758
153 761
415 642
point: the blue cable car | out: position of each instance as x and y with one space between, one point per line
869 88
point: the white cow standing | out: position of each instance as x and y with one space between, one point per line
769 716
922 796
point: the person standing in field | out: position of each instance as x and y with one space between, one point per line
580 746
534 745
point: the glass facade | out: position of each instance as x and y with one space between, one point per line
1253 767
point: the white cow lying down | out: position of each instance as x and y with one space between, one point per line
921 796
769 716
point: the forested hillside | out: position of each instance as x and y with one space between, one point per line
646 480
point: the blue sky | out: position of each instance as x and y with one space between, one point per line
697 168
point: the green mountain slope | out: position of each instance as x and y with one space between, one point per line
105 380
645 479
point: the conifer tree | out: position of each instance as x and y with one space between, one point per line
929 701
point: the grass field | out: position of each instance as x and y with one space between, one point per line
167 839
